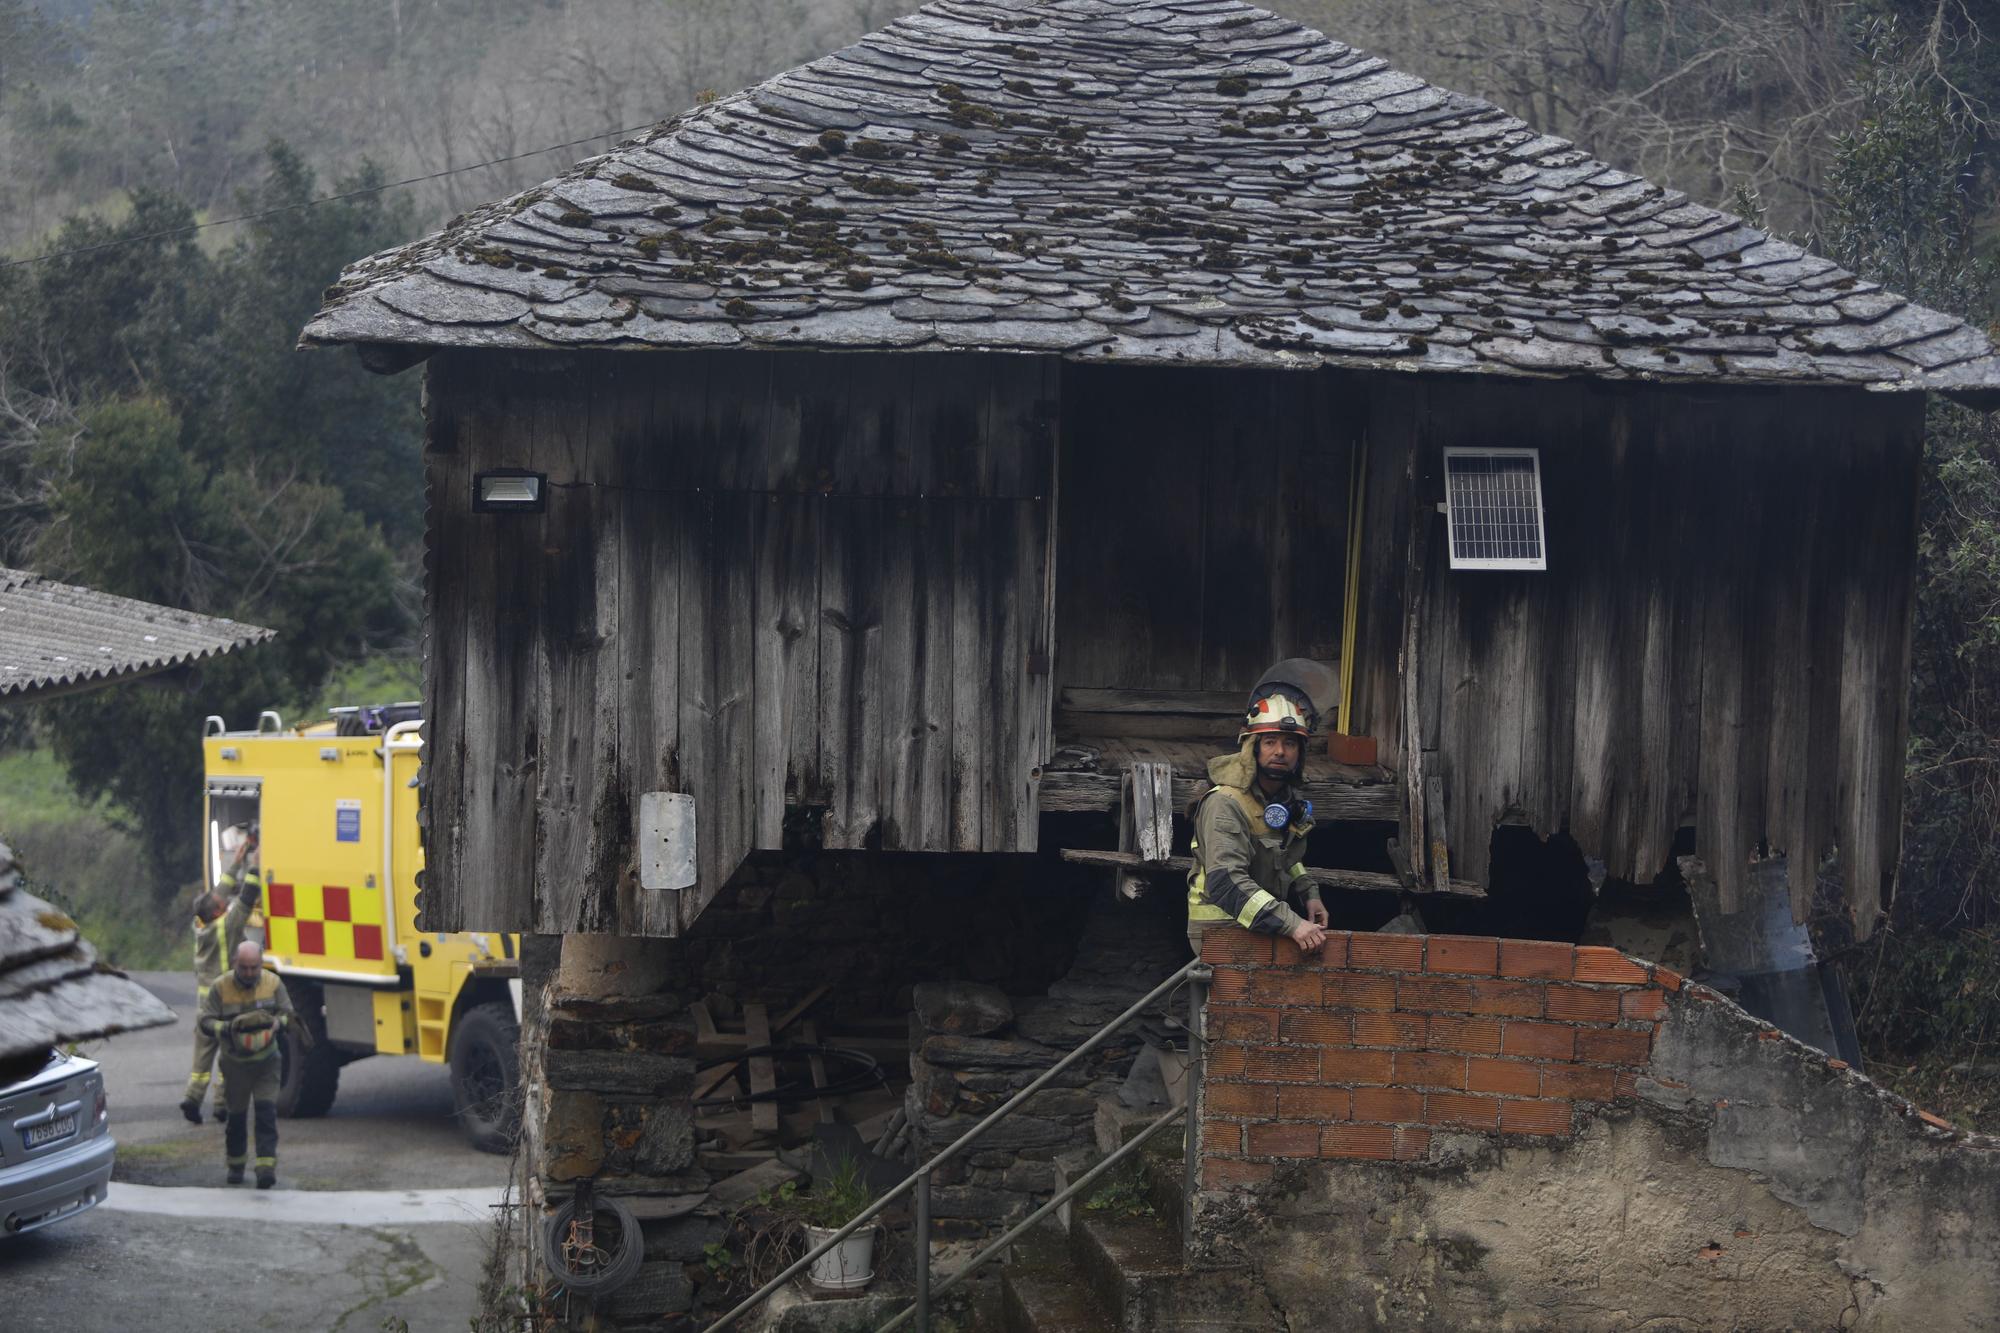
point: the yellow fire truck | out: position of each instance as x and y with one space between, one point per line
332 811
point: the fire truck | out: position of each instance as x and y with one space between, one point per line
331 810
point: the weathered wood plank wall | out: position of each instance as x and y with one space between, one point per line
1203 532
772 581
1721 639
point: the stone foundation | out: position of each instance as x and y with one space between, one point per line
608 1077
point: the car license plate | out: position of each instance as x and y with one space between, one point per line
49 1133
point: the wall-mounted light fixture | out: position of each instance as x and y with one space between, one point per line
509 490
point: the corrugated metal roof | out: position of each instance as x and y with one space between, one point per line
57 638
1169 181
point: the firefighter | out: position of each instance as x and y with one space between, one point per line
1250 828
220 925
245 1010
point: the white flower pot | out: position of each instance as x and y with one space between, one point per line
848 1266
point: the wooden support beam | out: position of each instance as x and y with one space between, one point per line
1153 810
1374 798
817 1064
763 1071
1352 881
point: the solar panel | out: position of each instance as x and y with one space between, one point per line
1493 504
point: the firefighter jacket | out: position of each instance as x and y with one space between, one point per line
243 921
1244 870
246 1019
207 953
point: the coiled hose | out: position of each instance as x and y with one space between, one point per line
581 1263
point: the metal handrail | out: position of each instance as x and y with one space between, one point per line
920 1179
1068 1192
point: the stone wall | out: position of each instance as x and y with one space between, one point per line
967 1058
1468 1133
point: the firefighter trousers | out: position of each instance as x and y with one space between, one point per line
248 1083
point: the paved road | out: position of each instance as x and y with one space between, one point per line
175 1250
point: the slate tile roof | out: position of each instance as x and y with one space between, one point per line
56 638
1147 180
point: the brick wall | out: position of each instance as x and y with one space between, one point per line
1367 1048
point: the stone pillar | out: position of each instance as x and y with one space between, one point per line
601 967
612 1060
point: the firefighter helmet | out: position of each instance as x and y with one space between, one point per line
1276 707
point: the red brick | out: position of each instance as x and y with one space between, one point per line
1462 953
1580 1082
1388 1105
1535 958
1315 1028
1475 1036
1405 1030
1301 1140
1230 986
1509 1076
1614 1047
1668 979
1281 1064
1524 1117
1596 963
1580 1004
1349 990
1514 999
1277 986
1412 1145
1386 953
1431 994
1417 1069
1624 1086
1317 1105
1372 1141
1239 1024
1356 1066
1242 1099
1453 1108
1223 944
1221 1138
1218 1174
1544 1040
1648 1005
1332 953
1224 1061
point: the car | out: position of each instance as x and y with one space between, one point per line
55 1142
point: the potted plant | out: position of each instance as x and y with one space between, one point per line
836 1198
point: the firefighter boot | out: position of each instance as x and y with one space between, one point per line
236 1173
192 1110
267 1176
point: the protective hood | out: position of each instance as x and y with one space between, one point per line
1237 770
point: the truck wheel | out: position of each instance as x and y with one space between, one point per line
486 1075
307 1079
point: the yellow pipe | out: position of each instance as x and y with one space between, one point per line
1357 494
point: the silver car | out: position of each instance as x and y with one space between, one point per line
55 1144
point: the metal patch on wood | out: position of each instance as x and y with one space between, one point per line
665 842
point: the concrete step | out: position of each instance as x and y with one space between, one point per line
1204 1303
1121 1258
1042 1291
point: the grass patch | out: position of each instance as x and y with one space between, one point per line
78 855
